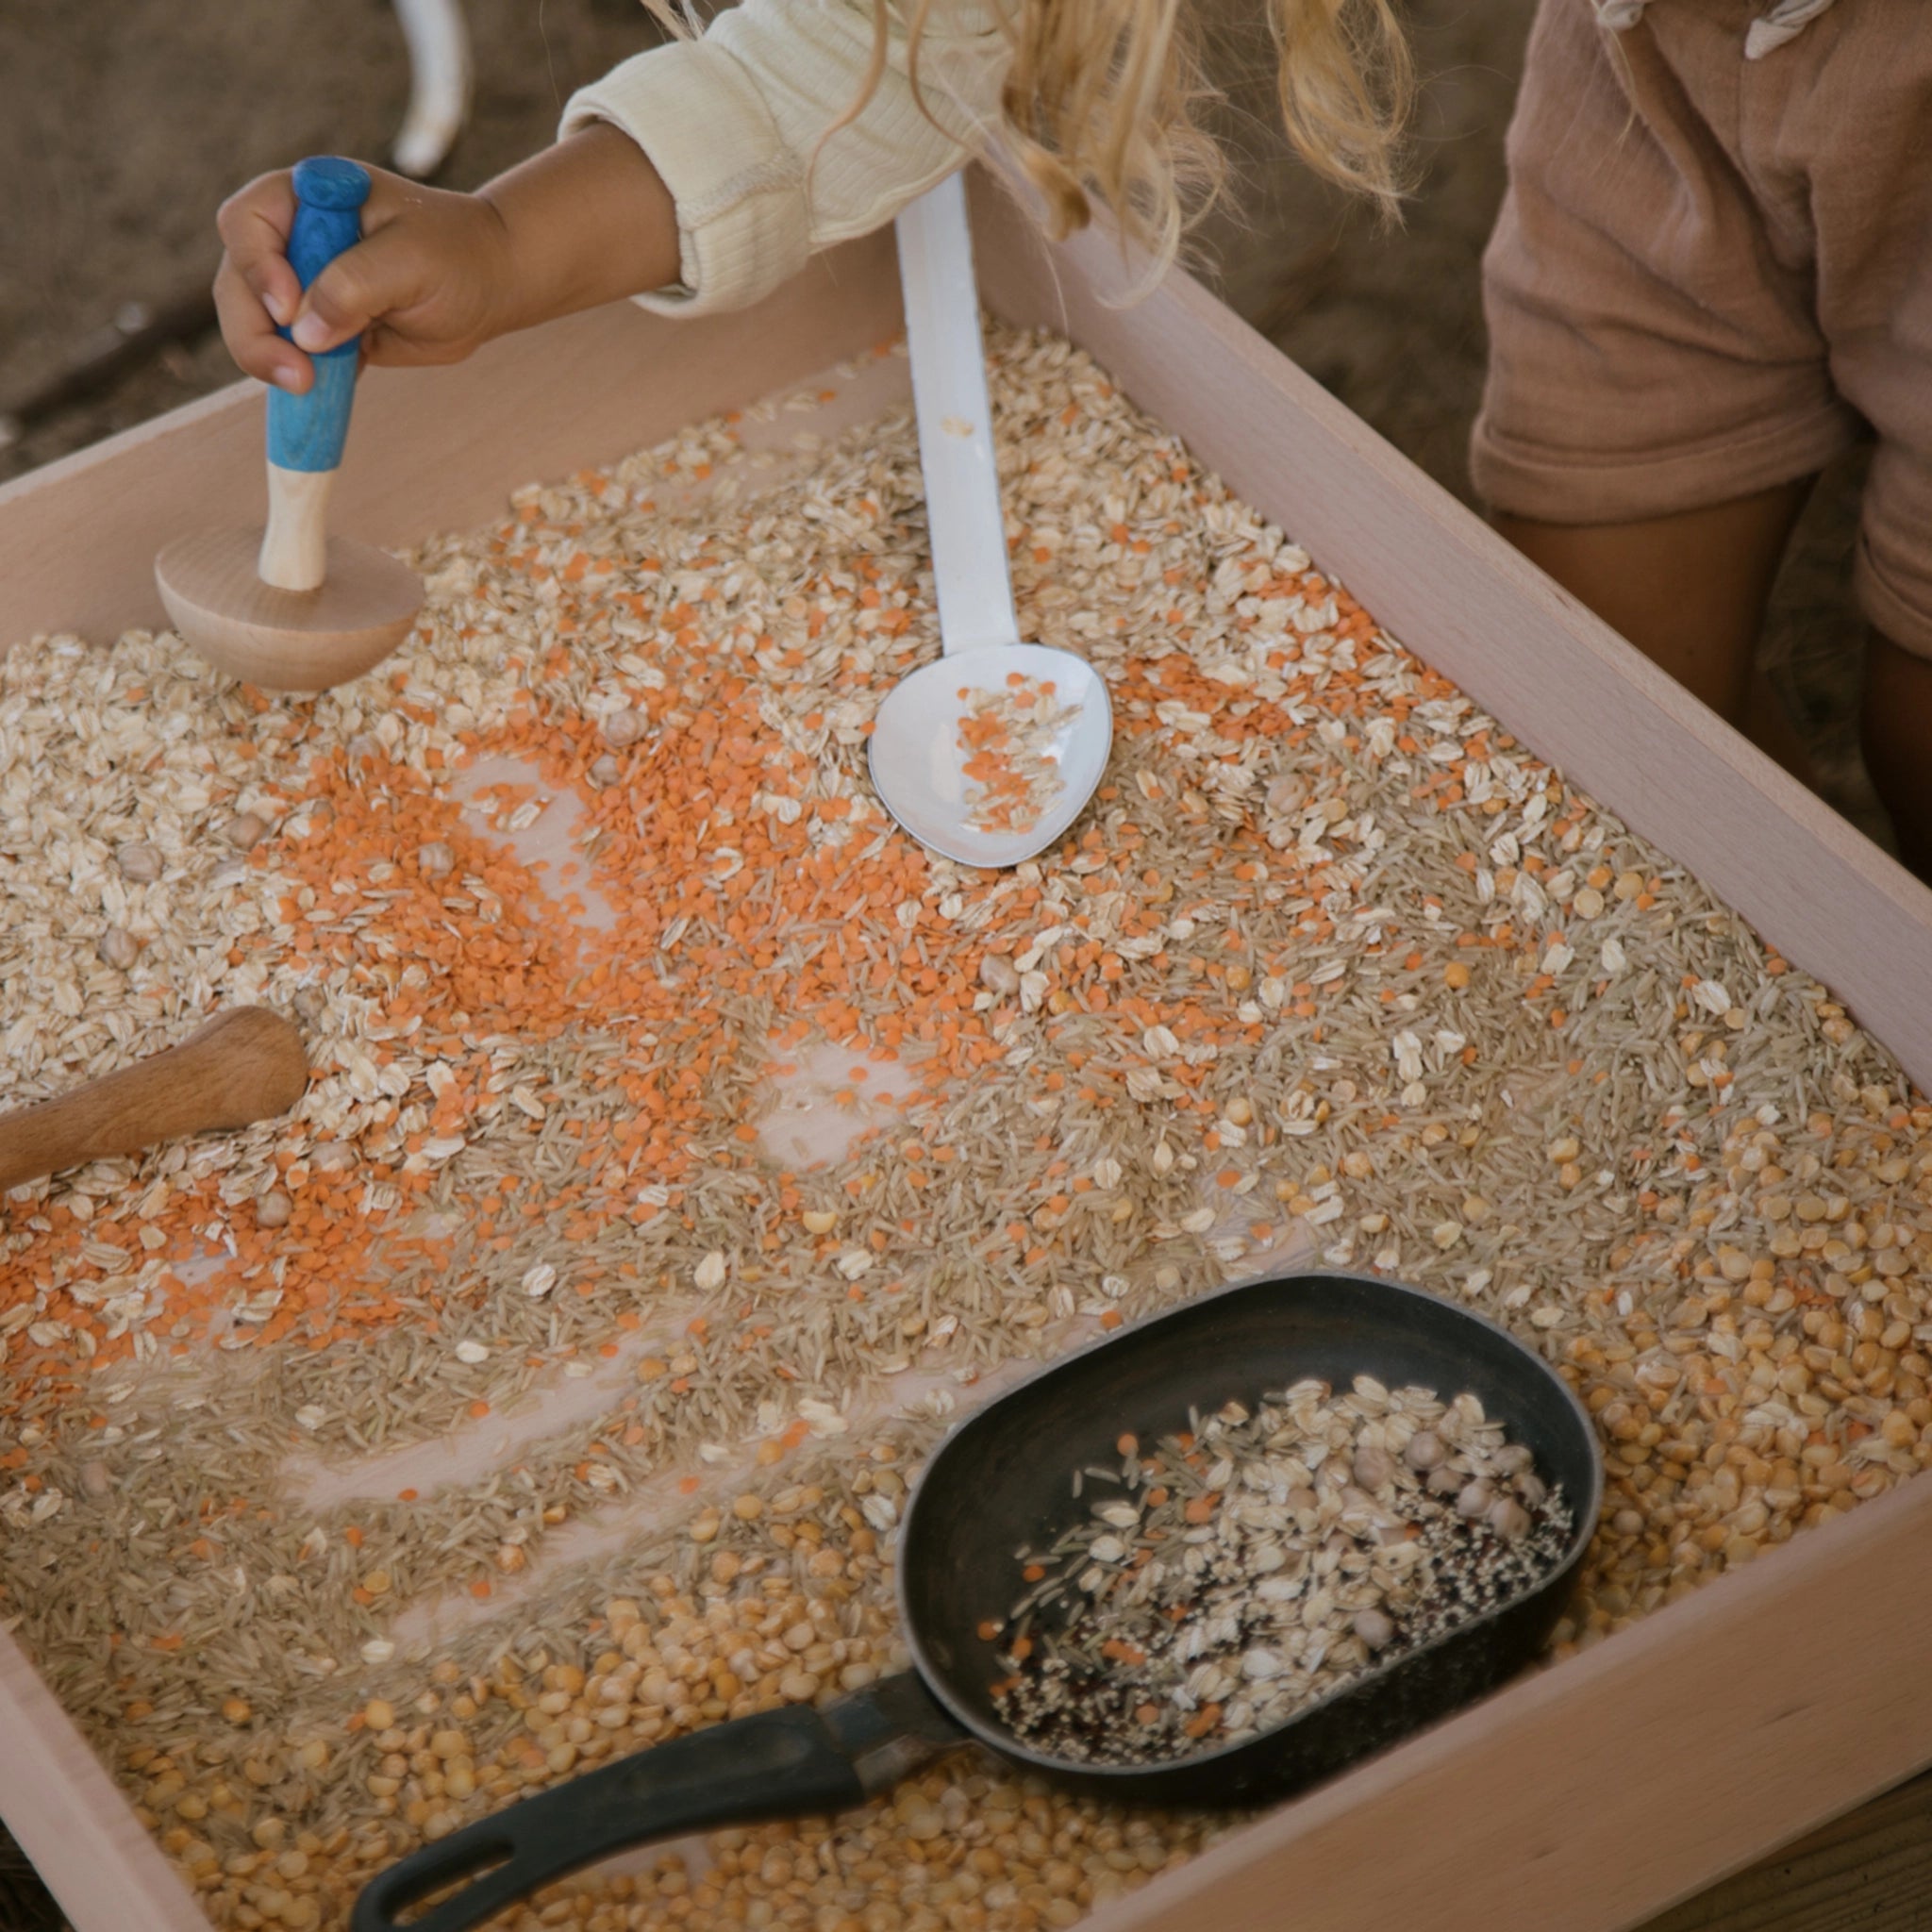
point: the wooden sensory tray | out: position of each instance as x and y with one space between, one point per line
1589 1796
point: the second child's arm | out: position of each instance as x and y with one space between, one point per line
436 275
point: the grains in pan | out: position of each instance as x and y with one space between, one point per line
1257 1562
1331 969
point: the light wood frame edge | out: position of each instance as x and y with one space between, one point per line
76 1824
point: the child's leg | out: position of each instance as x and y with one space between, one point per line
1659 394
1709 275
1892 570
1897 731
1689 591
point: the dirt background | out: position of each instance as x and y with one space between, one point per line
123 123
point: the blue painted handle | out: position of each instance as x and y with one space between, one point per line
307 432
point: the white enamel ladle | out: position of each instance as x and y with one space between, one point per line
916 753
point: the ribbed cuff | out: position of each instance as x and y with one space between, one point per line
744 226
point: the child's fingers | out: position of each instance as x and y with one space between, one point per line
255 288
254 223
359 287
251 336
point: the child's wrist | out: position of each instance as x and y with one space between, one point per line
588 220
515 284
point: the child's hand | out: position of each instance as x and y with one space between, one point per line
436 275
423 285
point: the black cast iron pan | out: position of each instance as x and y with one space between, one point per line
1000 1479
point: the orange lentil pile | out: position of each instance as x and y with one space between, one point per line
513 1403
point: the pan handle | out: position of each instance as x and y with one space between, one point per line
791 1763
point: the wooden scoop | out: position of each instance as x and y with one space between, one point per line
292 607
246 1065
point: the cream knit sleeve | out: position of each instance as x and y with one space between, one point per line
735 122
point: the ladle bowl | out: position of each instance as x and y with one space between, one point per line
918 756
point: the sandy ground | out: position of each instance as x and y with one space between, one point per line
123 123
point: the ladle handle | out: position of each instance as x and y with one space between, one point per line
791 1763
305 433
949 399
246 1065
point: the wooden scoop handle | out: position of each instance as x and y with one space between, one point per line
246 1065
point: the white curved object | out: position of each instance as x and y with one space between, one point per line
440 76
917 752
956 448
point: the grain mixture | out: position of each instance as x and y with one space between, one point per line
1011 741
1255 1562
510 1407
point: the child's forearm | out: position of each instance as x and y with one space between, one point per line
436 275
584 221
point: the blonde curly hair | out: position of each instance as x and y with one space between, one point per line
1103 99
1102 102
